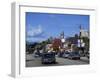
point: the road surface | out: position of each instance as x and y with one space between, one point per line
31 61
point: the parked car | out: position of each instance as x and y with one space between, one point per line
48 58
37 54
60 54
74 55
87 54
66 54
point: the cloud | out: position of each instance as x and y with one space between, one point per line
35 32
31 39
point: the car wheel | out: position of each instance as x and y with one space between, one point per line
79 58
42 62
54 62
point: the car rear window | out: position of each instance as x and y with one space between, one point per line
48 55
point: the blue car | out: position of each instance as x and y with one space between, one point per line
74 55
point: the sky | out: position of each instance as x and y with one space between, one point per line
41 26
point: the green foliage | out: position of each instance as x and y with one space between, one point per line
86 40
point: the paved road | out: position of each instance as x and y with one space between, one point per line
34 62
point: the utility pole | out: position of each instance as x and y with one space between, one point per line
80 36
62 38
62 35
81 42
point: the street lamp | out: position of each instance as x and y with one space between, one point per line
63 41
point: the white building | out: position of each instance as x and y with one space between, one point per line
84 33
48 46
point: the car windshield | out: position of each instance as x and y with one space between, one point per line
48 55
75 53
66 53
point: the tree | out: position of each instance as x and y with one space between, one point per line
86 41
76 36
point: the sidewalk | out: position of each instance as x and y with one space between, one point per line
30 57
84 59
